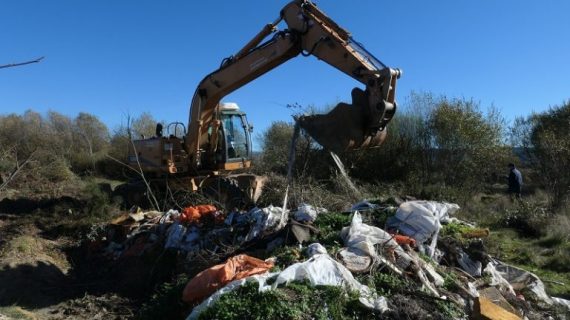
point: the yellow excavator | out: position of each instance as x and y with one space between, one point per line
216 145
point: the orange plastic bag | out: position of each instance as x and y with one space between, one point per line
401 239
194 214
210 280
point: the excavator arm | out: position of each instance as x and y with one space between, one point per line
309 32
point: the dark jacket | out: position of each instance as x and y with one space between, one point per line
515 181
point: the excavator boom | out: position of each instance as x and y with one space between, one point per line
218 139
309 32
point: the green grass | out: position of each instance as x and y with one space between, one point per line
549 260
298 300
166 302
15 312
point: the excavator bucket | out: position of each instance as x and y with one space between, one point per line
344 128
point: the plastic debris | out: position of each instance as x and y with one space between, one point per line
354 260
265 219
320 269
468 265
197 213
308 213
562 302
315 248
363 238
521 279
422 220
364 205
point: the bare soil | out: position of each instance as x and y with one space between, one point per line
46 271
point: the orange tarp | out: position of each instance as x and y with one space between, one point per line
210 280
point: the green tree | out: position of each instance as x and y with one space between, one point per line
91 139
544 137
143 126
468 144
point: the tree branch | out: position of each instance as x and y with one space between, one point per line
22 63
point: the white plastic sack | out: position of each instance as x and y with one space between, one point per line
265 219
562 302
321 269
497 279
521 279
363 237
309 213
315 248
422 219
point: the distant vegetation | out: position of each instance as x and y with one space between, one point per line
444 148
437 147
42 150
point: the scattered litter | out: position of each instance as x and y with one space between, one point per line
198 214
503 293
476 233
494 295
363 238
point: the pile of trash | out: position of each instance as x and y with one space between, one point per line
446 267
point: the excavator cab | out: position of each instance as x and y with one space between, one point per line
233 150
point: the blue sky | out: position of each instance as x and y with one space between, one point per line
112 58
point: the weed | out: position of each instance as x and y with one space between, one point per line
387 284
329 225
297 300
450 281
166 303
286 256
99 206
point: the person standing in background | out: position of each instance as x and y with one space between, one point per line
515 181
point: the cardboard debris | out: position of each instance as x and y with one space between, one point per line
494 295
485 309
